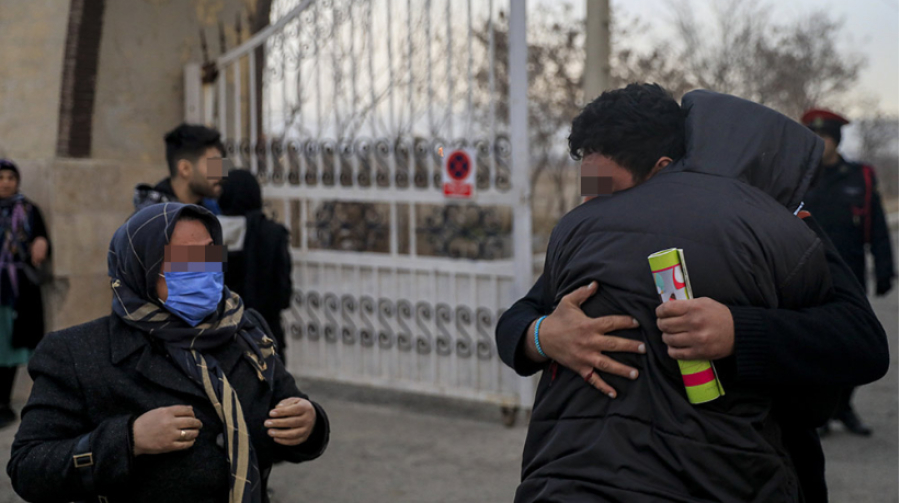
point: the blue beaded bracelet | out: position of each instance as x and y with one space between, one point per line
537 341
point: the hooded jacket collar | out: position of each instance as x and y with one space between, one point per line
735 138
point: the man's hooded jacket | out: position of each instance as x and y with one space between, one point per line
728 204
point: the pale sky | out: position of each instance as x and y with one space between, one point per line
871 28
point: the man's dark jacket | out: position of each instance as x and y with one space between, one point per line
725 203
98 377
162 192
771 347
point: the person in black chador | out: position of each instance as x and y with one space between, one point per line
259 262
677 181
189 148
845 201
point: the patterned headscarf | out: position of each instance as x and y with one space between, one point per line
15 236
136 255
15 233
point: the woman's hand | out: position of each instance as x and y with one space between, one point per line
292 421
39 249
165 429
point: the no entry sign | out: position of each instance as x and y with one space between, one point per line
459 174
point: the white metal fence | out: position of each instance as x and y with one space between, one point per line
345 122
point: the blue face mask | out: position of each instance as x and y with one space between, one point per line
193 295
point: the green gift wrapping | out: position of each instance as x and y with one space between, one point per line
672 283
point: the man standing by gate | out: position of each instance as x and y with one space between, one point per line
844 198
193 176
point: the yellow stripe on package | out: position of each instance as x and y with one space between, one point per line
672 283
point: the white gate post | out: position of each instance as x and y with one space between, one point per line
193 94
518 127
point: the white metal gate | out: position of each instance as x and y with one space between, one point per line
345 125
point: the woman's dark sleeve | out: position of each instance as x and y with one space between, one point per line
837 343
512 328
39 228
286 387
42 465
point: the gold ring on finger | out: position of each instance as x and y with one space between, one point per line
183 435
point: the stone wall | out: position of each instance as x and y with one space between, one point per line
32 39
84 202
140 82
139 96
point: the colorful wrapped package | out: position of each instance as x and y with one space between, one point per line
672 282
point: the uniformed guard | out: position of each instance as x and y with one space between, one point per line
844 199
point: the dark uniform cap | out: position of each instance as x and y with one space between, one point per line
817 117
824 121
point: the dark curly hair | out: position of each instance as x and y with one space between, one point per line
634 126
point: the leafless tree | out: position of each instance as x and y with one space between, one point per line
788 65
878 147
555 72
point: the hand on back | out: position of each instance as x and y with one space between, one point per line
696 329
579 343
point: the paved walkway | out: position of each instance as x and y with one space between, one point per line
415 450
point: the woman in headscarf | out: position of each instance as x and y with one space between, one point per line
175 396
23 251
259 262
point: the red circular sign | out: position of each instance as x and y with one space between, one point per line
458 165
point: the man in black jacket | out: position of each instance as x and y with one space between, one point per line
726 208
844 197
767 346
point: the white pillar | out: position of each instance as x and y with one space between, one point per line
193 94
520 161
597 50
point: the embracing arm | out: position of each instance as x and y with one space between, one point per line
512 329
567 335
837 343
54 423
